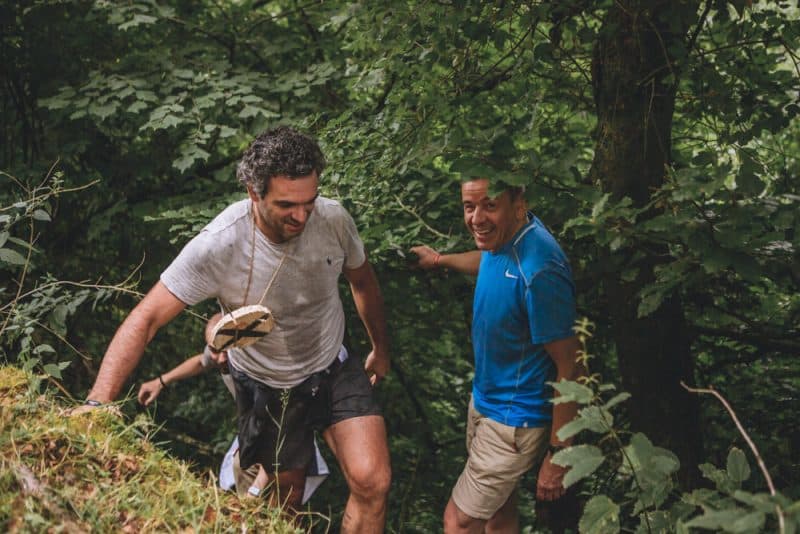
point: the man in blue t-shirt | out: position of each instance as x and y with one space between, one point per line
523 314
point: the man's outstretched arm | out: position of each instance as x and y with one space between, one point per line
157 308
463 262
369 303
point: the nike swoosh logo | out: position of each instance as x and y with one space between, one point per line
509 275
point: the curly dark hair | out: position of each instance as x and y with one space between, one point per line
281 151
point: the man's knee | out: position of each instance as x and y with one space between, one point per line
370 478
457 522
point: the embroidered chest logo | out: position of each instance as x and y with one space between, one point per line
509 275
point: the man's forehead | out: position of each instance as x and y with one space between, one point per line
479 189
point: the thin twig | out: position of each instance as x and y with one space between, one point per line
413 212
770 485
63 340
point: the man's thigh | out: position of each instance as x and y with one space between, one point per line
360 446
498 456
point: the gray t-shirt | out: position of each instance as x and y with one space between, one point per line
304 297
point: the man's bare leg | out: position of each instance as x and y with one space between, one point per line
506 519
457 521
360 446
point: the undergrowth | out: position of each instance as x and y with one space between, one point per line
95 472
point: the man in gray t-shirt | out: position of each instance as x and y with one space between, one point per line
284 248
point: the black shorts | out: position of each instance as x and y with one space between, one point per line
276 426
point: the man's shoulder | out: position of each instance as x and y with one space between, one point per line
329 208
229 218
222 234
538 250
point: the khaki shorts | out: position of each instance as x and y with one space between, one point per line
498 456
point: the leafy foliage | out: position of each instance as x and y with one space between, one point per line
407 98
651 502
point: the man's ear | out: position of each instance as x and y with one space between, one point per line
252 194
522 209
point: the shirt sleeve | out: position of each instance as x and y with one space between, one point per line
190 276
551 305
354 255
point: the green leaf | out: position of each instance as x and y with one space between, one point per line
188 156
719 477
654 522
618 398
11 257
44 347
572 392
600 516
52 370
583 460
738 468
136 21
653 468
752 522
41 215
593 418
736 520
252 111
3 238
136 107
760 501
650 302
600 205
29 364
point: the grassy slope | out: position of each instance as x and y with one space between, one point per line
96 473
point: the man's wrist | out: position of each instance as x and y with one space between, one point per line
161 381
552 449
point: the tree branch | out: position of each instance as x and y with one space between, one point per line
712 391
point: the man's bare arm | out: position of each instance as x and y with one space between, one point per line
463 262
369 303
150 390
564 354
157 308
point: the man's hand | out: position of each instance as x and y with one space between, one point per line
376 366
550 483
428 257
149 391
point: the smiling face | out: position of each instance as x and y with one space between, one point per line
491 221
284 211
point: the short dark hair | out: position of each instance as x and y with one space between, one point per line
281 151
514 191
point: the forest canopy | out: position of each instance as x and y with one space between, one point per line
657 140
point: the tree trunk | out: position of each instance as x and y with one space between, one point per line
634 82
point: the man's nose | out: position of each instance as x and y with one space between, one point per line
300 214
478 215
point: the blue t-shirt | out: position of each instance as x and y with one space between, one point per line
524 298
